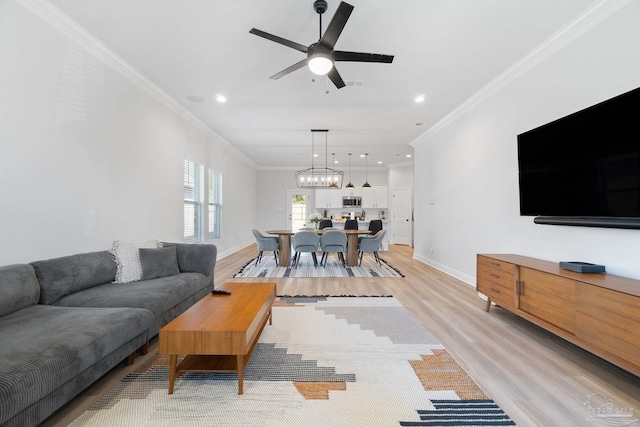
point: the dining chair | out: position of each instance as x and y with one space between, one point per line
371 244
375 225
351 224
265 243
325 223
305 241
333 241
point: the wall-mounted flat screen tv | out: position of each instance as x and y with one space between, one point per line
584 169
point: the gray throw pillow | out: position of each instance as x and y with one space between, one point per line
159 262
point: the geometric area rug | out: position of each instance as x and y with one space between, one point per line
325 361
268 268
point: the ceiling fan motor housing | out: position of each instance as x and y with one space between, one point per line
320 6
319 49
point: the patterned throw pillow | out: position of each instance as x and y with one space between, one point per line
127 257
161 262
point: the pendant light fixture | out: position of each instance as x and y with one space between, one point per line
350 185
333 184
366 172
319 177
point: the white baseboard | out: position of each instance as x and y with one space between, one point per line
470 280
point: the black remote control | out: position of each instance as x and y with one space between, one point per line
220 292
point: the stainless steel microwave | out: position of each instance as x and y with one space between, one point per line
351 202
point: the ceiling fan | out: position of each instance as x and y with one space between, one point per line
321 55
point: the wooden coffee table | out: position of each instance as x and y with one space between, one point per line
219 332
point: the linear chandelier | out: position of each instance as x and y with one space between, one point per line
319 177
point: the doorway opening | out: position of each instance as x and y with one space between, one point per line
298 203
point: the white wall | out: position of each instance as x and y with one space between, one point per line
88 156
470 164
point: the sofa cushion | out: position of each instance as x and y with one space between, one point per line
199 258
156 295
46 346
128 259
62 276
159 262
19 288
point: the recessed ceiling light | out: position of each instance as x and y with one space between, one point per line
408 155
221 98
196 99
315 155
379 162
361 155
420 98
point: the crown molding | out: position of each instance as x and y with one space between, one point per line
60 21
565 35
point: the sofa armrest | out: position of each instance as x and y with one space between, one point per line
195 258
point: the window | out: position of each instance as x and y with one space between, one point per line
198 224
193 202
214 208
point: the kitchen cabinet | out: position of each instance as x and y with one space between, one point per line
328 199
352 192
597 312
375 197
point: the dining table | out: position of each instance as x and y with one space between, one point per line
284 245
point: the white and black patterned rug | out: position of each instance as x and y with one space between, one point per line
325 362
267 268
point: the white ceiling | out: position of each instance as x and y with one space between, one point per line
444 49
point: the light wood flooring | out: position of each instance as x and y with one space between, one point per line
537 378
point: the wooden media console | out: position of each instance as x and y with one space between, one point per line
598 312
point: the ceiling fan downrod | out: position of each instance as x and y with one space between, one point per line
320 6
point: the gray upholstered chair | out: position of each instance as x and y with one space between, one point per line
333 241
371 244
265 243
305 241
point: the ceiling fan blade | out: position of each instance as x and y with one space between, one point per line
335 78
290 69
289 43
341 55
339 20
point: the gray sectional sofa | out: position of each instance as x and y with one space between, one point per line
64 323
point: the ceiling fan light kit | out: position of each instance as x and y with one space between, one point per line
319 59
321 56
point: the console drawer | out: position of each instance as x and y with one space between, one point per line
496 279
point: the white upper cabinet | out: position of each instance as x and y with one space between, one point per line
352 192
375 197
328 198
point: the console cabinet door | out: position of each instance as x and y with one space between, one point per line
496 280
609 320
548 297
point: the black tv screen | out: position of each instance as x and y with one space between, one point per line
585 165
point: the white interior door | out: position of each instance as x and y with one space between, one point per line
401 217
298 208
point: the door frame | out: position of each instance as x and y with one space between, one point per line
309 205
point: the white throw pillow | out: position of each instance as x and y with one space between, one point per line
127 257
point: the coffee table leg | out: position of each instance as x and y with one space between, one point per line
172 371
240 366
270 317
